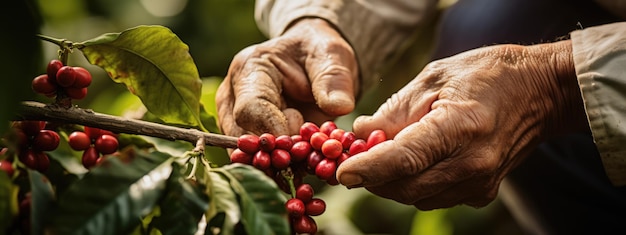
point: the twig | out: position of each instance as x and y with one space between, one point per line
30 110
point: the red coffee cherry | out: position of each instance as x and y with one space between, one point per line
357 146
337 134
83 78
32 128
76 93
314 158
42 85
376 137
284 142
106 144
326 169
307 129
261 160
93 132
327 127
267 142
347 139
42 161
238 156
52 69
46 140
332 148
79 141
305 193
296 138
315 207
280 158
304 224
29 158
66 76
317 139
7 167
295 207
342 158
300 150
248 143
90 157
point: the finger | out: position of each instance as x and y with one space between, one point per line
476 192
224 99
294 120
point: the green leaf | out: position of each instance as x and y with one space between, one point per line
227 211
8 201
42 198
262 203
112 197
208 109
155 65
182 207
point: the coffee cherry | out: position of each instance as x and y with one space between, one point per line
337 134
52 69
326 169
267 142
66 76
284 142
93 132
79 141
342 158
42 85
295 207
314 158
307 129
305 224
248 143
317 139
357 146
42 161
106 144
76 93
300 150
28 158
46 140
376 137
296 138
315 207
332 148
327 127
90 157
32 128
261 160
83 78
347 139
238 156
7 167
304 193
280 158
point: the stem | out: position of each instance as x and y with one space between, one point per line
30 110
198 153
288 175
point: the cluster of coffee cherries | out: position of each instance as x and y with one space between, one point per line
94 143
73 81
33 141
316 150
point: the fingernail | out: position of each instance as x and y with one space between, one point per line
351 180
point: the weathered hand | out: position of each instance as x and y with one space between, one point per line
464 122
309 71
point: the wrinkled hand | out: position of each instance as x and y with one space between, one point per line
464 122
309 71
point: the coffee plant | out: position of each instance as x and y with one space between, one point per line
70 170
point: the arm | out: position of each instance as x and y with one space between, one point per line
600 61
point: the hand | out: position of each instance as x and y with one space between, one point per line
310 68
464 122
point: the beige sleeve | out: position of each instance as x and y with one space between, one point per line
375 28
600 61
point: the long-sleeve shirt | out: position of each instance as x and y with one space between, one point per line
377 29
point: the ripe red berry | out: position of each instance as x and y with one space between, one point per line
376 137
304 224
66 76
284 142
106 144
76 93
29 158
261 160
46 140
248 143
295 207
317 139
300 150
307 129
42 161
267 142
52 69
79 141
357 146
314 158
326 169
93 132
337 134
83 78
296 138
238 156
332 148
342 158
32 128
347 139
280 158
327 127
315 207
7 167
305 193
90 157
42 85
